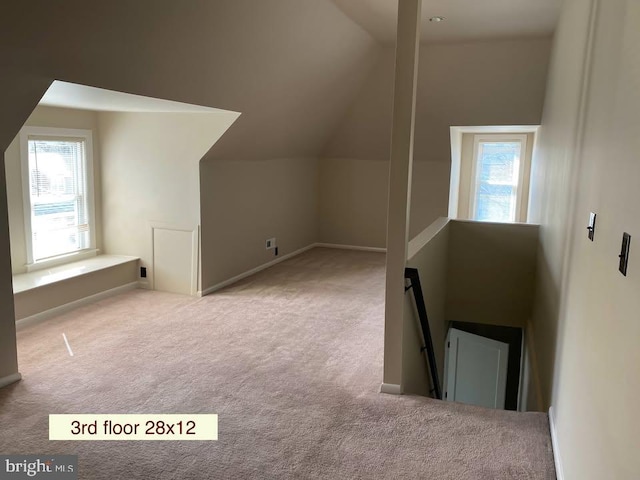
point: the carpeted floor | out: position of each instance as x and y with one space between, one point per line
290 359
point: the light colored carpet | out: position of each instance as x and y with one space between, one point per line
290 359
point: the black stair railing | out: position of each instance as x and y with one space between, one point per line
412 275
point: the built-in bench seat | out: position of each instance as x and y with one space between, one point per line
51 291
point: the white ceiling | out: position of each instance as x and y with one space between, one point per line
465 20
71 95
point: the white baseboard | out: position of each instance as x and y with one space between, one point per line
557 459
351 247
253 271
264 266
391 388
42 316
9 379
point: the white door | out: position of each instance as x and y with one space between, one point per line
475 369
174 267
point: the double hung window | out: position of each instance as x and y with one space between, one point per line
58 193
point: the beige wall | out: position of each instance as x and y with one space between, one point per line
8 350
429 194
586 323
353 201
46 117
484 83
555 165
474 272
150 164
492 269
257 58
354 194
244 203
428 252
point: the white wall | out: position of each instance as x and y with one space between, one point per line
150 172
46 117
586 324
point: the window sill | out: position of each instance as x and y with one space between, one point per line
32 280
62 260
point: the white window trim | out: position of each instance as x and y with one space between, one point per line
57 133
522 168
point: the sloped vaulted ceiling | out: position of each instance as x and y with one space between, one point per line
291 67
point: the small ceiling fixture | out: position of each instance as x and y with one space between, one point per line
436 19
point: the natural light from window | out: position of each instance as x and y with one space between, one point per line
59 209
497 178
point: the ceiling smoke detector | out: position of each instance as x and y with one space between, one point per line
436 19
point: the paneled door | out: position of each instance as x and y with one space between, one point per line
475 369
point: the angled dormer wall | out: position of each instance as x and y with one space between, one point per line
289 67
500 82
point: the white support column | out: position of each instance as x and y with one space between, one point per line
404 102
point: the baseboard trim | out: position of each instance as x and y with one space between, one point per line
253 271
52 312
391 388
264 266
557 459
9 379
351 247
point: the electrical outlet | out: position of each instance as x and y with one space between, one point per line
143 272
270 243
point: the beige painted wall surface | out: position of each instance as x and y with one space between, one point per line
8 350
595 380
353 201
354 194
233 55
471 272
150 164
492 268
236 55
431 260
552 188
429 194
46 117
483 83
244 203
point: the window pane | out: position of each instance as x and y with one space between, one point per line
59 221
497 174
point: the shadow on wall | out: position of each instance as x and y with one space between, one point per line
474 272
544 331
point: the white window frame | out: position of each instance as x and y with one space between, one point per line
522 168
57 134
